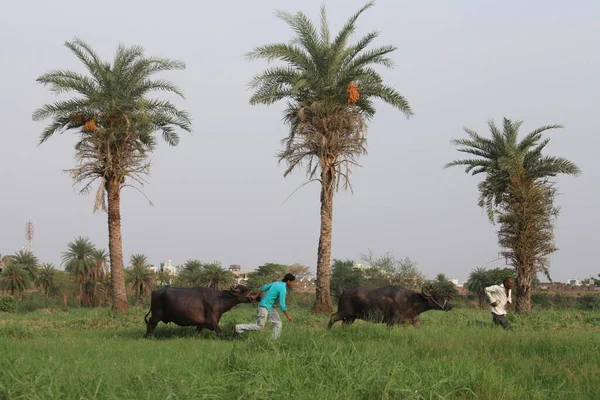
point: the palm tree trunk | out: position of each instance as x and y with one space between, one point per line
480 298
524 279
80 293
140 299
115 245
323 303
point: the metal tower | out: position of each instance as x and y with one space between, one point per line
29 231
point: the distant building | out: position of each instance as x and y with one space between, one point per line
573 282
4 260
167 267
455 281
240 276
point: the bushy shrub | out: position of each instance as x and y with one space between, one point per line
561 301
589 302
464 302
8 303
31 303
541 300
300 299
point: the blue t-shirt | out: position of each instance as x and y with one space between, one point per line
274 290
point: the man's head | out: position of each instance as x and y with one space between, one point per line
289 280
508 283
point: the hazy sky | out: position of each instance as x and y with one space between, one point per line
220 194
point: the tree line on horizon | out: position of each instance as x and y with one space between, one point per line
85 279
329 84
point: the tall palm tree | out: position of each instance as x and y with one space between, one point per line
15 279
213 275
28 261
79 261
518 192
329 85
476 284
45 279
141 280
116 122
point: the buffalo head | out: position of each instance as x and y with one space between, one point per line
242 291
435 300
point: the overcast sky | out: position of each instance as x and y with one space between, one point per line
220 194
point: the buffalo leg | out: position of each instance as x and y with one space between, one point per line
150 327
393 320
335 317
216 327
198 330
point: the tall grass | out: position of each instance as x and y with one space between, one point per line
93 353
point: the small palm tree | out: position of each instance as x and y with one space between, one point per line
330 86
45 280
518 192
164 277
100 257
476 284
214 276
138 260
79 261
190 273
140 280
28 261
15 279
95 291
115 120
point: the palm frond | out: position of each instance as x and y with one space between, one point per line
324 26
349 27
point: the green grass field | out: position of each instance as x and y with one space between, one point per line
93 353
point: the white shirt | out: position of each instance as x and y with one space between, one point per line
498 293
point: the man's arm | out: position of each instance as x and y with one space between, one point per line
256 295
489 291
282 305
266 287
261 291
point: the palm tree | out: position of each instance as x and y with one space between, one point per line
15 279
213 275
100 270
45 280
329 85
476 284
190 274
138 260
518 192
28 261
164 277
79 261
115 121
140 279
95 287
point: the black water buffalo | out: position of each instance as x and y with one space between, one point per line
201 307
389 304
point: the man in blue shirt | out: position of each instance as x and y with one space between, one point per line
266 309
